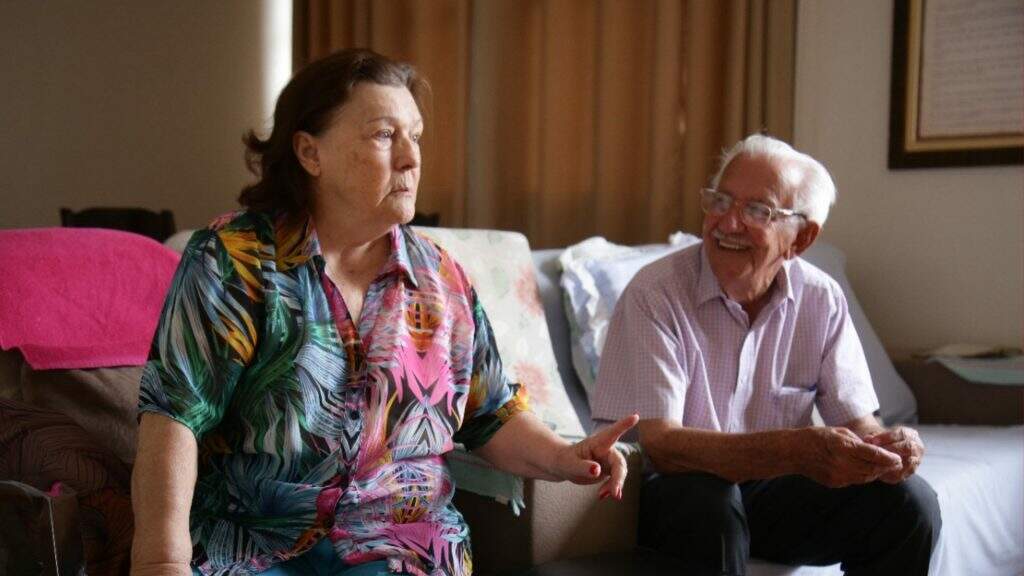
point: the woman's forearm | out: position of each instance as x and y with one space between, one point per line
524 446
163 479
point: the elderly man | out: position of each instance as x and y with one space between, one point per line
723 349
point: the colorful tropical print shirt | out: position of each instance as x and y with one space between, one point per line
309 426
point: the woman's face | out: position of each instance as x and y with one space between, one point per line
367 161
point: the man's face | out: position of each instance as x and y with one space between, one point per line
746 258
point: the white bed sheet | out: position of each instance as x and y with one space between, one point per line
978 474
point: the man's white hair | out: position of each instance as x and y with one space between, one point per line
814 190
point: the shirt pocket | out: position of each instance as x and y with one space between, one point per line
793 405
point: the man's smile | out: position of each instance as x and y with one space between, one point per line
729 243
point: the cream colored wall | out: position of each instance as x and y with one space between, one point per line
126 103
935 255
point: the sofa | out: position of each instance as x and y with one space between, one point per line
977 471
70 431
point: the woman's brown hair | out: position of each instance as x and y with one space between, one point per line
307 104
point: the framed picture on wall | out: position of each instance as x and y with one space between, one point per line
957 83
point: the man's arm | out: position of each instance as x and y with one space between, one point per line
865 426
831 456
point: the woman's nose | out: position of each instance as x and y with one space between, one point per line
407 154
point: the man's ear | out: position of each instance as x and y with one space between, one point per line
805 236
304 146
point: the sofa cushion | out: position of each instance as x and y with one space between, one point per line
594 274
549 271
894 396
102 401
639 561
501 269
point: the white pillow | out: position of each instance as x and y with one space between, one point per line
594 274
179 240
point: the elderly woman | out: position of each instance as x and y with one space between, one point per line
315 359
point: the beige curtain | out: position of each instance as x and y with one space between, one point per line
564 119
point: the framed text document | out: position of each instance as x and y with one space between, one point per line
957 83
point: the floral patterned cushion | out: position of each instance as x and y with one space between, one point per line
501 269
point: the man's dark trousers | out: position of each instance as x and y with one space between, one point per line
714 526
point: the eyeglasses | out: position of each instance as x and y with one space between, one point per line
753 213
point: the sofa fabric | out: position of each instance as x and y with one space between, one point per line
594 274
76 428
102 401
48 451
501 269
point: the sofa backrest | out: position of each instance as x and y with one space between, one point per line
897 402
898 405
549 272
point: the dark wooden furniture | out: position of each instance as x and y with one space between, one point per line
943 397
431 219
157 225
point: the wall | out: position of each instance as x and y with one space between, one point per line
935 255
113 102
127 103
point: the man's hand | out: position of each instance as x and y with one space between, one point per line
905 443
595 457
837 457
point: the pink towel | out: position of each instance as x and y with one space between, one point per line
81 297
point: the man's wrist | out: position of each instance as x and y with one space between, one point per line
787 446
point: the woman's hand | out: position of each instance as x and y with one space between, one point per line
526 447
595 457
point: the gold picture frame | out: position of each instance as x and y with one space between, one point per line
954 98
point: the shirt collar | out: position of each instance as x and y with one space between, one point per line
398 258
707 284
782 281
297 243
708 287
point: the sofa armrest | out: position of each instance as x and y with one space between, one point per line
561 520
